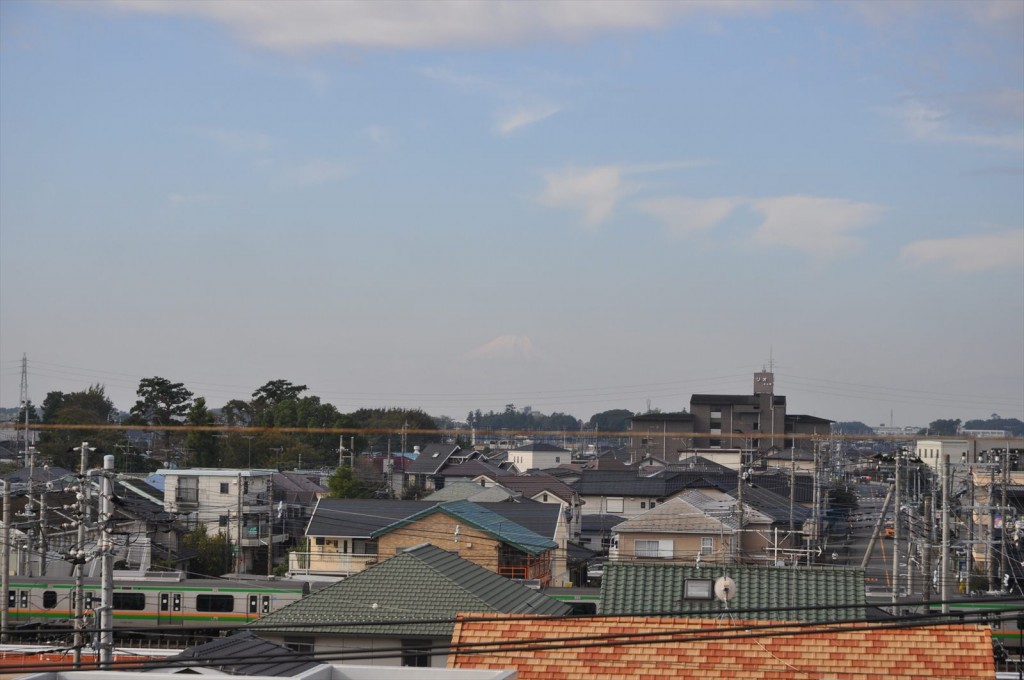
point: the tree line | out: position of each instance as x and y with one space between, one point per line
249 438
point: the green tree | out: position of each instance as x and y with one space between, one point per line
614 420
201 444
237 413
212 553
266 399
88 407
161 402
947 428
344 483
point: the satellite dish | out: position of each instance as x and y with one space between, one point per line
725 588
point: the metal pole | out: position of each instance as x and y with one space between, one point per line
896 534
106 617
1003 512
878 528
239 559
945 535
79 560
5 560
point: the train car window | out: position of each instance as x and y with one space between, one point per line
24 599
215 603
10 599
133 601
49 599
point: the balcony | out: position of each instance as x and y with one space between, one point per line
186 497
328 563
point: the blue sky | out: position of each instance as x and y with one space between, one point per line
570 206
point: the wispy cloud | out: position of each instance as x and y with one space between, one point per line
504 348
931 123
821 227
524 117
292 25
318 171
1001 250
596 190
683 216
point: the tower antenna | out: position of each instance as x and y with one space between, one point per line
24 401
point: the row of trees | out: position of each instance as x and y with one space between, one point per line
272 414
946 427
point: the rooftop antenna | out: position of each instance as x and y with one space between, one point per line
725 589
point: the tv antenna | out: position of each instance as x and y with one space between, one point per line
725 589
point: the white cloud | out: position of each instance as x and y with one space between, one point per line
1000 250
929 123
597 190
504 348
594 190
378 134
319 171
821 227
524 117
682 216
290 25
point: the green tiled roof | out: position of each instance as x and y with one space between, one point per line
483 519
658 588
424 582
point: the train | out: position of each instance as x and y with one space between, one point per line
582 600
40 604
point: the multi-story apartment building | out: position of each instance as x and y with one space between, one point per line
746 424
238 503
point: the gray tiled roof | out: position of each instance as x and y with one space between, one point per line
431 459
422 583
658 588
470 491
773 505
243 654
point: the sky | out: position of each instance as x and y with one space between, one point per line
563 205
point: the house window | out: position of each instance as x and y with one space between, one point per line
615 505
653 503
707 545
302 645
716 443
648 548
416 653
224 487
319 540
222 520
643 505
558 459
544 498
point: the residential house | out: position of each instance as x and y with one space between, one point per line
235 502
694 527
617 648
538 456
626 493
400 609
478 534
341 534
425 472
544 488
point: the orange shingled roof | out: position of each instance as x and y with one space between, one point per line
675 650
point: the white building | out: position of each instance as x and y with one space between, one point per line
235 502
539 456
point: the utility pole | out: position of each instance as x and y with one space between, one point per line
739 504
878 527
239 558
78 557
1003 512
990 557
106 552
896 534
270 526
944 582
5 560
